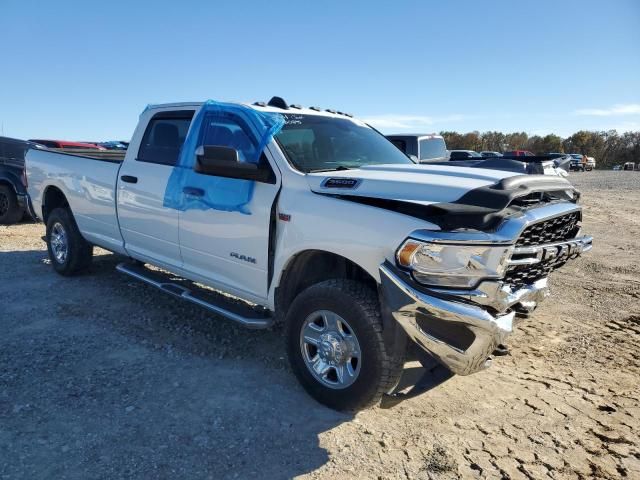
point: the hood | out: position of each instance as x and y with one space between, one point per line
421 184
451 197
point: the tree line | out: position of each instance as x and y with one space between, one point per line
607 147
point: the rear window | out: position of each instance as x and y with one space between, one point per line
164 137
432 148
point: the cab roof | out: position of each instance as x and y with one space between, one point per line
275 105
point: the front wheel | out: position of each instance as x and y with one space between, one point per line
335 345
68 251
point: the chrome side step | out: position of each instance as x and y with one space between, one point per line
216 303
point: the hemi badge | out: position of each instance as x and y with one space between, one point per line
285 217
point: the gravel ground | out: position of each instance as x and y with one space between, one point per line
103 377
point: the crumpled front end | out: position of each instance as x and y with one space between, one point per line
462 327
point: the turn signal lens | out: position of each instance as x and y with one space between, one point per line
405 254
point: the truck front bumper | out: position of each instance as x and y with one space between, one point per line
455 329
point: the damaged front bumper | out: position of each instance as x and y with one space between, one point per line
457 328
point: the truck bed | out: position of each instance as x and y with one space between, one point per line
89 185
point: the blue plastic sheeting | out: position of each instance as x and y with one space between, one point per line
224 124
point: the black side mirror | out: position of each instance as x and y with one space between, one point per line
220 161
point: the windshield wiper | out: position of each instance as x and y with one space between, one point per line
336 169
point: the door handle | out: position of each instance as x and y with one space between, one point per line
193 191
129 179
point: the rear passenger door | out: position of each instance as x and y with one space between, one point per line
149 229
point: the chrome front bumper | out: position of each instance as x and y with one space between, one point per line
462 336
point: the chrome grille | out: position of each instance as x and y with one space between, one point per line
554 230
518 276
557 229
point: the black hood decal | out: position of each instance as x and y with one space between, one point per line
482 208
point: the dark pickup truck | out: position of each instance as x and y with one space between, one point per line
13 181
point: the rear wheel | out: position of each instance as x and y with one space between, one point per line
10 211
335 345
68 251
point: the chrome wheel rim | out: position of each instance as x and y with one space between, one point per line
4 204
59 242
330 349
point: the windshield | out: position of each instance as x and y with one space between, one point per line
432 148
314 143
577 156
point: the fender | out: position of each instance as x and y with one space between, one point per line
12 179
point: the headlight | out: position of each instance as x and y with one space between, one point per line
449 265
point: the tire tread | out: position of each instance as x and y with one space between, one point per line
80 251
392 363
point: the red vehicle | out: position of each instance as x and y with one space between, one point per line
68 145
518 153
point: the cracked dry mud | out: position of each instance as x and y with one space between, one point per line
102 377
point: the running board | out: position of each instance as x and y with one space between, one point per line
217 303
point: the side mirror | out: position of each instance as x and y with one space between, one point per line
219 161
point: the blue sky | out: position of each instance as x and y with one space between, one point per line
84 70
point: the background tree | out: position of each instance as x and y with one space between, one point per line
516 141
547 144
607 147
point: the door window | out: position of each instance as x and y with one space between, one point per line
230 131
164 137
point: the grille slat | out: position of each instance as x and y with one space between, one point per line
558 229
564 227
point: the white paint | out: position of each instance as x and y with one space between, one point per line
199 244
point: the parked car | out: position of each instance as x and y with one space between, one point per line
463 155
113 145
423 148
64 144
314 220
489 154
13 181
578 162
617 168
590 164
518 153
629 166
556 165
429 148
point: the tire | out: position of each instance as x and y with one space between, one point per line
10 211
69 252
374 373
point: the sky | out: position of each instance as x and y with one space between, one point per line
84 70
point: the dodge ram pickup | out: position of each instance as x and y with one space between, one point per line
274 213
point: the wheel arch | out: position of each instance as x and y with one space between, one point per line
312 266
9 182
52 198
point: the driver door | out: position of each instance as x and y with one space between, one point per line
228 247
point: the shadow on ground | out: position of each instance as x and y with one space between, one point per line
101 376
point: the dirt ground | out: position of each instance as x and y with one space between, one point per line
103 377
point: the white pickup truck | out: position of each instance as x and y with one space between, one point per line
273 213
